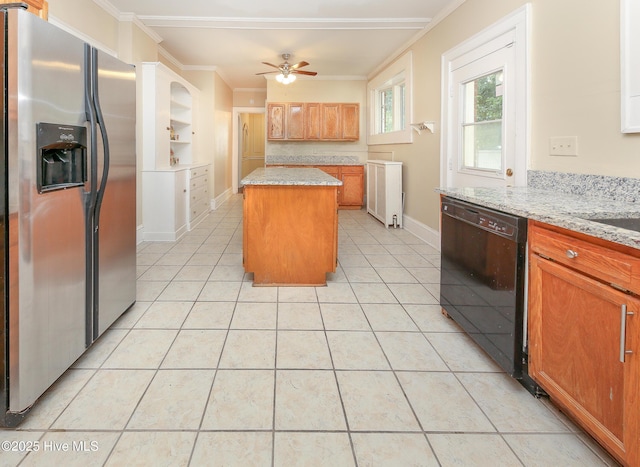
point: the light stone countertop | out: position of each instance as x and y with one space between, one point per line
290 176
560 209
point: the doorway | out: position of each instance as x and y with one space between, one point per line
248 143
485 107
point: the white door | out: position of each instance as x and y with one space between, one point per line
484 113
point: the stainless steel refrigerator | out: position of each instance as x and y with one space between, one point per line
68 203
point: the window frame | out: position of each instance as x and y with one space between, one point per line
391 78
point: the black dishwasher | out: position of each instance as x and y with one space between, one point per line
482 281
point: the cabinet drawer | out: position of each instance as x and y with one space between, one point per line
607 264
198 171
352 169
198 196
196 209
199 182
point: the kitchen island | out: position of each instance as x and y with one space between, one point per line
290 226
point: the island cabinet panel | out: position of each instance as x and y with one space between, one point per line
584 335
290 234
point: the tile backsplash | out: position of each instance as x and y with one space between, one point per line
617 188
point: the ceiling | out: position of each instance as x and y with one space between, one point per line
340 39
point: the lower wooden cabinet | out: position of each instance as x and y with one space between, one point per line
351 193
584 334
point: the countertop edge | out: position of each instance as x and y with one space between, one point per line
570 212
280 176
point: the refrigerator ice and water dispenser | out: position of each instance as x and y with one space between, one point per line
62 156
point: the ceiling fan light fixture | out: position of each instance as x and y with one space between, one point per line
289 78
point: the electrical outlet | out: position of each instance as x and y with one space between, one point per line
563 146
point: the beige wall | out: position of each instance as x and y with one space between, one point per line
222 127
88 18
575 76
576 88
249 97
318 90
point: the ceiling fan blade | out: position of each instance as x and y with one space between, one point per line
299 65
270 64
302 72
267 72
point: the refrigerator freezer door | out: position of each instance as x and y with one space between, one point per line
117 219
46 270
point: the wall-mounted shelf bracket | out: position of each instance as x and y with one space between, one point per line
423 126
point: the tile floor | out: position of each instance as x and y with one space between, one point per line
207 370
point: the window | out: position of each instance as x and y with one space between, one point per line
482 123
390 104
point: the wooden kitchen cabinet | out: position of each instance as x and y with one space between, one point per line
312 121
350 117
331 126
295 121
37 7
584 333
351 193
276 118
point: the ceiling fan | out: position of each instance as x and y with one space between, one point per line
287 71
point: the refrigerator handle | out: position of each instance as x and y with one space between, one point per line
90 196
103 133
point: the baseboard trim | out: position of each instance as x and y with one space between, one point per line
221 198
422 231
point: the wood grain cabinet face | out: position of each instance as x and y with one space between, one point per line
351 193
312 121
276 121
577 351
352 190
331 122
350 115
295 121
37 7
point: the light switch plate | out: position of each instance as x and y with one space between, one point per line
563 146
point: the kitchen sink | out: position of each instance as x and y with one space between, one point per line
629 223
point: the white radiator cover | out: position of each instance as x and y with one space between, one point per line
384 191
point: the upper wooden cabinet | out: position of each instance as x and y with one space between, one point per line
295 121
312 121
37 7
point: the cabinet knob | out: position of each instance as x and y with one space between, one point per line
572 254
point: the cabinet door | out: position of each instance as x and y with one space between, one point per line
350 114
295 121
181 200
313 120
352 185
575 348
276 121
331 122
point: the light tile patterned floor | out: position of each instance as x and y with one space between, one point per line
207 370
